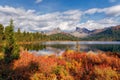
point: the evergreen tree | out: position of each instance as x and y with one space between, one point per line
19 31
1 32
18 35
11 49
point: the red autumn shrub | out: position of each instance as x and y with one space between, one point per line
70 65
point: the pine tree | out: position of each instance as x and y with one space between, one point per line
19 31
1 32
18 35
11 49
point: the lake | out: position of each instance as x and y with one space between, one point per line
55 47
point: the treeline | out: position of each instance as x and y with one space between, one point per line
62 36
30 36
35 36
23 36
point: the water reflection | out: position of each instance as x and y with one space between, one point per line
58 47
35 47
106 47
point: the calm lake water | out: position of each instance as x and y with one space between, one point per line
55 47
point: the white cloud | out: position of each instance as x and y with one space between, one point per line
91 11
64 20
113 11
30 20
110 11
38 1
100 24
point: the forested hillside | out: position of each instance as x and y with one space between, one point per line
111 34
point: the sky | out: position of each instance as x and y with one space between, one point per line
40 15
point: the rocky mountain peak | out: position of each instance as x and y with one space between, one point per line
82 30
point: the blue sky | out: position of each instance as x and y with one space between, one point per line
59 5
37 15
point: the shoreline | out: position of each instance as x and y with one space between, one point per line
82 42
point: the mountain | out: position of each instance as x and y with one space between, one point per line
95 31
105 34
54 31
116 27
108 34
80 32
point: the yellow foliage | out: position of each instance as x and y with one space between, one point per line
69 51
1 56
105 74
41 76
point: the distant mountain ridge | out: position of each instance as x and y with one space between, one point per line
54 31
80 32
110 33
